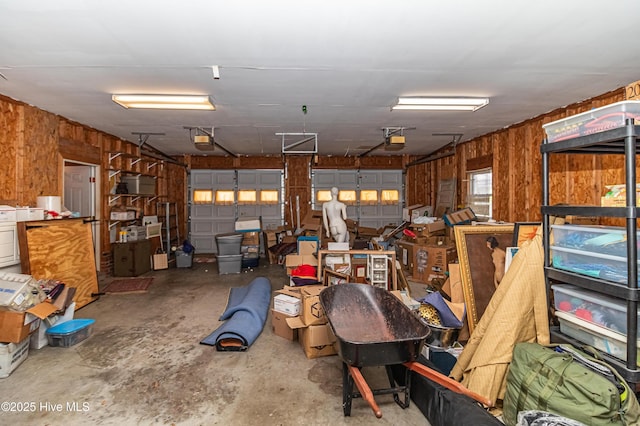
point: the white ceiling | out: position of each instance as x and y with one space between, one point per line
346 60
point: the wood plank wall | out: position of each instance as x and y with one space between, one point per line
34 144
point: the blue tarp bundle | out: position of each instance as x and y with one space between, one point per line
244 316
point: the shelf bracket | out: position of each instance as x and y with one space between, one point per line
150 166
113 198
111 225
114 156
113 173
135 161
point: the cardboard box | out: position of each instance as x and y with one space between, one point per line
405 255
248 225
338 246
582 220
308 245
408 211
280 327
364 231
312 221
312 312
428 229
126 215
251 238
38 339
292 261
421 211
29 213
316 340
12 355
8 214
287 304
16 326
431 260
459 217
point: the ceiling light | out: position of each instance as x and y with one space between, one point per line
164 102
441 104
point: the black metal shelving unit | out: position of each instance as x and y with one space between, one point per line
622 141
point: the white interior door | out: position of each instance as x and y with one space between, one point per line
80 195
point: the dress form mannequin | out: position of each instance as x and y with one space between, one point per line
334 214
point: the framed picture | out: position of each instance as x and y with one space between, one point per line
482 256
332 277
524 231
511 251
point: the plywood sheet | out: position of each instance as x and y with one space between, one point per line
63 250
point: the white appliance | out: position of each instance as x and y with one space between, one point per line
9 253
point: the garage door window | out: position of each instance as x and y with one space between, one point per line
269 197
225 197
389 196
247 196
203 196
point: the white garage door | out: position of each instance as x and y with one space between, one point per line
377 194
217 198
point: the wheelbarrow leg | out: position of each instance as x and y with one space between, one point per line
347 388
407 386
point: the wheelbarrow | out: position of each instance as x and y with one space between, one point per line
374 328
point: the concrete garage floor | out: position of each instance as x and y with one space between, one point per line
144 365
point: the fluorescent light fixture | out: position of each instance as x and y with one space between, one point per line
441 104
164 102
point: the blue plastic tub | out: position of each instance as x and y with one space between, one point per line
70 332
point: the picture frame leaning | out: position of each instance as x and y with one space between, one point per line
480 248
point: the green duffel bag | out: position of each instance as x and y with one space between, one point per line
563 380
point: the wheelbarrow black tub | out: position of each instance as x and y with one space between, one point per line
372 326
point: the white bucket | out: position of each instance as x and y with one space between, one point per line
50 203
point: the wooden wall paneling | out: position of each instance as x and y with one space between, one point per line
75 150
11 143
501 176
582 172
298 183
41 165
533 137
516 158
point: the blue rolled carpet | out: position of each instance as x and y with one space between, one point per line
244 316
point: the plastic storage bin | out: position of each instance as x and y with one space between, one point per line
594 121
70 333
229 243
183 260
599 309
605 340
596 251
250 260
141 185
229 264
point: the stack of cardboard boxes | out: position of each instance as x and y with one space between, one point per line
25 314
298 314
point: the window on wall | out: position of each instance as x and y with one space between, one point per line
480 194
